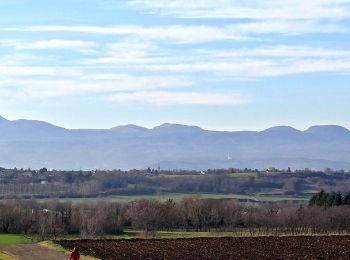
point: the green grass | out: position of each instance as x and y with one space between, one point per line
237 233
179 196
139 234
10 239
59 248
198 234
244 174
132 234
191 234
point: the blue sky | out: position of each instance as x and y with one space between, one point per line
226 65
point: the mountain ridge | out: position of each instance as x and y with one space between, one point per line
37 144
176 125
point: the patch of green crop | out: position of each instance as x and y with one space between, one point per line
10 239
179 196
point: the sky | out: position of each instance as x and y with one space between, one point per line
222 65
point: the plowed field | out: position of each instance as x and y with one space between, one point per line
301 247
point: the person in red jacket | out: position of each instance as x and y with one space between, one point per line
75 254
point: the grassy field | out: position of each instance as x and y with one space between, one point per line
139 234
10 239
179 196
192 234
131 234
244 174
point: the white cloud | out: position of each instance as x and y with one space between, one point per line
34 71
245 20
247 9
258 68
172 34
14 59
264 61
281 51
151 51
75 45
287 27
82 46
183 34
179 98
147 89
104 71
86 83
131 52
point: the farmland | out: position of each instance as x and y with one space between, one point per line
180 196
310 247
148 214
124 186
9 239
182 245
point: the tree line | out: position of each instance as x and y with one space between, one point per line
27 183
54 218
331 199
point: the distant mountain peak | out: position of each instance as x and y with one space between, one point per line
327 130
281 129
130 127
36 122
176 127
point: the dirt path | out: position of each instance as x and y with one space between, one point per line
32 252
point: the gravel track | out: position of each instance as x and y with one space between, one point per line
32 252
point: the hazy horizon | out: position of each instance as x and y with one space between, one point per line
174 123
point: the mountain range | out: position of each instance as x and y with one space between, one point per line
37 144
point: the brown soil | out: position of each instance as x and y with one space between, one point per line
302 247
